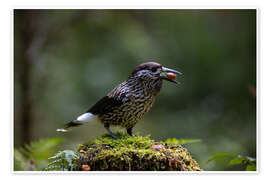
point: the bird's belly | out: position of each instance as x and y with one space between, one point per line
128 114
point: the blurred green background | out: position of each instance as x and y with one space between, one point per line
66 60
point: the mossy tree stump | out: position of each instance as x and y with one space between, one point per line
128 153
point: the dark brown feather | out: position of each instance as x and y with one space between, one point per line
104 105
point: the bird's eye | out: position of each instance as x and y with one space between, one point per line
154 69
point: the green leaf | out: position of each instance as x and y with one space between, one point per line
34 156
186 141
40 150
237 160
63 161
20 162
172 141
182 141
251 168
250 159
221 155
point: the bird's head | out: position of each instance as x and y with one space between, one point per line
152 71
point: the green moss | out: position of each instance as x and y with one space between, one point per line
137 153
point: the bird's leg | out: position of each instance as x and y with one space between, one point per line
107 127
129 131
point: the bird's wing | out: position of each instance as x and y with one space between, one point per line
105 104
115 98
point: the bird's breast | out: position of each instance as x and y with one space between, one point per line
134 107
137 99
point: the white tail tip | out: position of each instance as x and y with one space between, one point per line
61 130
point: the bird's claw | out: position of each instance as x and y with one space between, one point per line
114 136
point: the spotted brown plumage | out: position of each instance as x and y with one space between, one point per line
128 102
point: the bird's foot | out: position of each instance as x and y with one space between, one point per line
107 127
114 136
129 131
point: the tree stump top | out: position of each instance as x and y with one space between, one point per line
135 153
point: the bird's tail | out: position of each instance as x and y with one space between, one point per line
86 117
68 126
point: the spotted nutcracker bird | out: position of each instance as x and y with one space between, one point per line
128 102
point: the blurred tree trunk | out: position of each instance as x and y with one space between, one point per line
24 71
32 29
28 30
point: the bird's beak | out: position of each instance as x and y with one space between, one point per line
165 76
